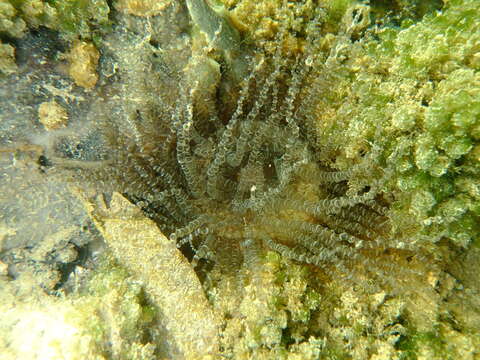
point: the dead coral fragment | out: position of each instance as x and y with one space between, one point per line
52 115
83 64
7 59
168 278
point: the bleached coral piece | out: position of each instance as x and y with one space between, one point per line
169 280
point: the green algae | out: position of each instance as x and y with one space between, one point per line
413 93
83 19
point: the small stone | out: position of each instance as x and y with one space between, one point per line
432 279
7 59
52 115
3 269
83 64
378 299
66 255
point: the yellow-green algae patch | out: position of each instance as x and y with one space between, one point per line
105 318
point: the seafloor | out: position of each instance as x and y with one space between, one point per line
238 179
